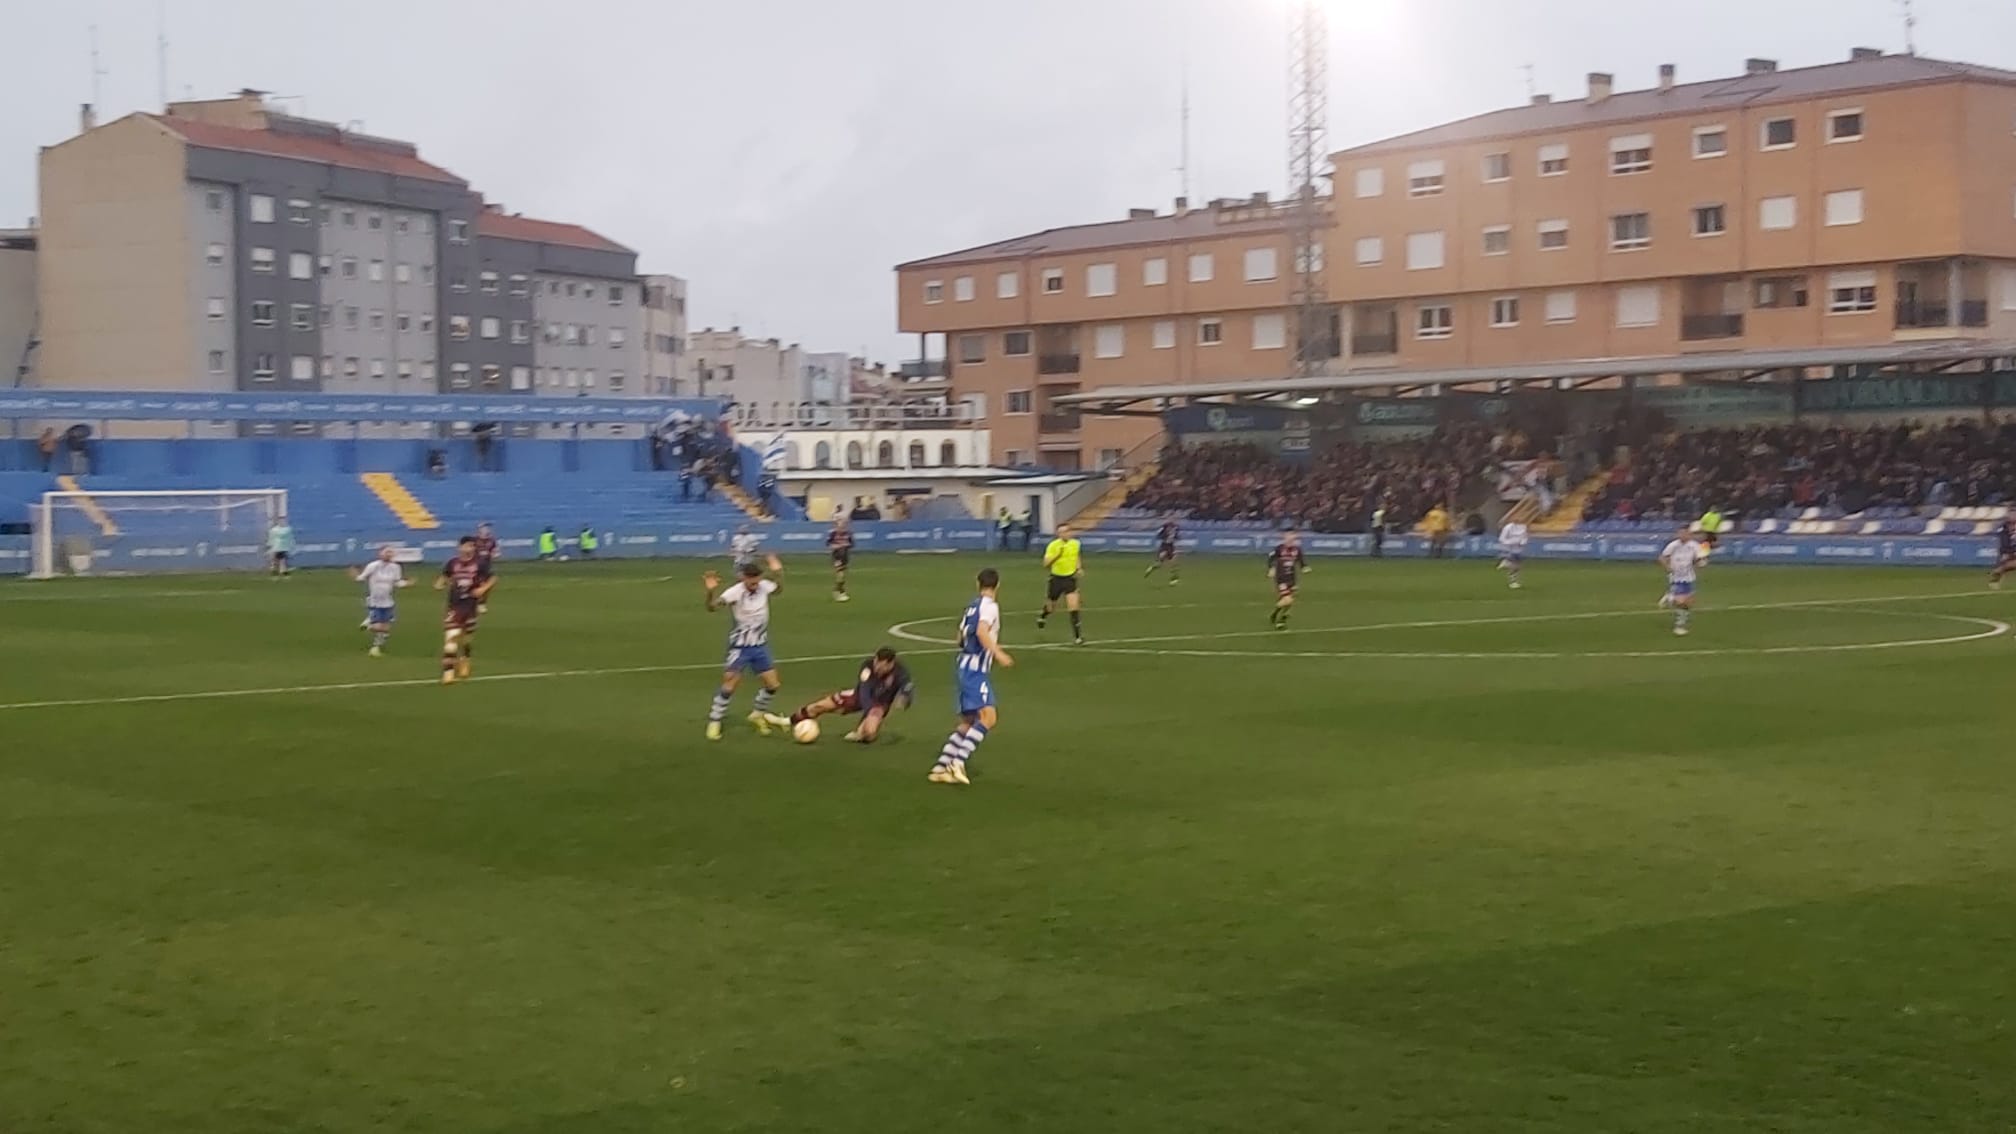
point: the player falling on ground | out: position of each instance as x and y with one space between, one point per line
748 600
979 652
467 580
1682 560
382 579
881 685
2005 551
1064 562
488 551
742 547
1512 540
1285 565
1165 552
840 541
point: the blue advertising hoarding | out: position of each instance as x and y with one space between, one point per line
85 405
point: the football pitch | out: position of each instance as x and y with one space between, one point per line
1444 856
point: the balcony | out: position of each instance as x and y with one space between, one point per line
1695 328
1057 421
1916 313
1319 349
1384 342
1057 364
918 369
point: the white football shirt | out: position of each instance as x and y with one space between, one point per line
381 582
750 605
1682 556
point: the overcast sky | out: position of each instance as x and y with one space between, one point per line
783 155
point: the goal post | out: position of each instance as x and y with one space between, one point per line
213 529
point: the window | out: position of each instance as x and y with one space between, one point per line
301 368
1553 160
1844 207
490 327
588 334
1015 344
259 207
948 454
1017 402
262 313
1844 126
962 289
402 224
350 317
934 291
1710 220
214 201
328 218
350 367
301 316
458 375
1424 251
1505 311
328 315
214 308
1850 293
571 334
1053 281
1711 141
263 260
458 326
300 211
1631 153
972 348
427 370
374 221
1007 285
1163 337
520 285
1778 134
1553 235
1371 250
458 281
262 368
1370 182
377 320
216 362
422 225
214 254
1424 178
1498 167
1109 341
521 377
402 321
426 324
520 333
1434 321
1270 332
1262 265
328 366
427 274
1630 230
1775 214
1637 306
1154 272
1017 458
1202 268
1497 240
326 266
572 287
402 272
492 375
1210 332
1560 307
300 266
458 232
1101 279
618 338
349 267
486 282
616 294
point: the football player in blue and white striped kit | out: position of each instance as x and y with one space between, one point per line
748 645
979 651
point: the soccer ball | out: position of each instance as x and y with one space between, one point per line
805 732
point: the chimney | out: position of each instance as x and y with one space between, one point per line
1864 54
1182 205
1140 214
1754 66
1260 200
1599 86
1542 99
1666 74
87 118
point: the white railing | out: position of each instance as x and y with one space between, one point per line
812 415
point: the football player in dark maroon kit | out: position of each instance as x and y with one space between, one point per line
882 683
1285 564
488 552
467 580
840 541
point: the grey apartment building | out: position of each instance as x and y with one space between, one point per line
223 245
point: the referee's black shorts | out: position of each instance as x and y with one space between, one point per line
1061 585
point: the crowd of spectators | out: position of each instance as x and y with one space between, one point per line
1339 487
1762 470
702 452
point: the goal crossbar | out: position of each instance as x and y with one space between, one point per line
74 528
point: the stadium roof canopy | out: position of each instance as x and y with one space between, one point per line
1729 366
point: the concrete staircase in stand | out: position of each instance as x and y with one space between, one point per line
1096 512
399 500
1568 510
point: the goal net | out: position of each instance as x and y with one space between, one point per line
81 533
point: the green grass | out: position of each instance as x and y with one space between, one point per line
1197 885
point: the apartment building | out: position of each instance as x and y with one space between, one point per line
18 346
1864 202
663 357
223 245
